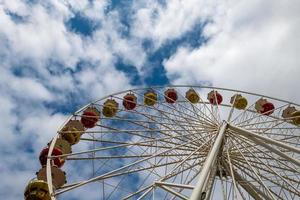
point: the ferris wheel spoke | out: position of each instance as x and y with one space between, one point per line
280 136
172 119
145 193
139 191
187 157
175 174
278 152
244 112
268 169
253 136
217 108
189 168
260 151
117 170
258 115
197 130
241 193
276 183
111 175
259 123
224 194
124 131
121 118
274 128
145 151
146 113
251 168
130 170
252 190
280 165
125 145
162 146
231 174
271 128
232 108
177 194
239 159
249 174
164 140
125 156
188 180
173 129
161 131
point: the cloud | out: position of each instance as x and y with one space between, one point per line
165 22
253 46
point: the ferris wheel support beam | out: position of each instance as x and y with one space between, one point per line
206 170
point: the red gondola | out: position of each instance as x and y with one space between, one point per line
214 97
171 96
129 101
90 117
56 161
268 108
264 107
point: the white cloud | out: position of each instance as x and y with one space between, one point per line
166 22
100 83
253 47
24 88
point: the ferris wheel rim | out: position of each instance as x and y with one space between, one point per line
52 144
184 86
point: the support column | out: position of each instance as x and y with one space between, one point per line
208 165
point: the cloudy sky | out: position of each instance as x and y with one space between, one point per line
57 55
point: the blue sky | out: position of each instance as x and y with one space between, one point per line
58 55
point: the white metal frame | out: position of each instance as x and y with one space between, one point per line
219 132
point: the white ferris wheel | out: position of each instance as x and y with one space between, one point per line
177 142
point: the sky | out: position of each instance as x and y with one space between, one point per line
59 55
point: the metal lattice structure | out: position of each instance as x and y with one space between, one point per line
185 149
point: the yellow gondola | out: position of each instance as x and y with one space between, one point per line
296 117
72 131
192 96
37 190
287 112
239 102
150 98
110 108
63 145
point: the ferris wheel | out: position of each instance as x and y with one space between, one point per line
177 142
